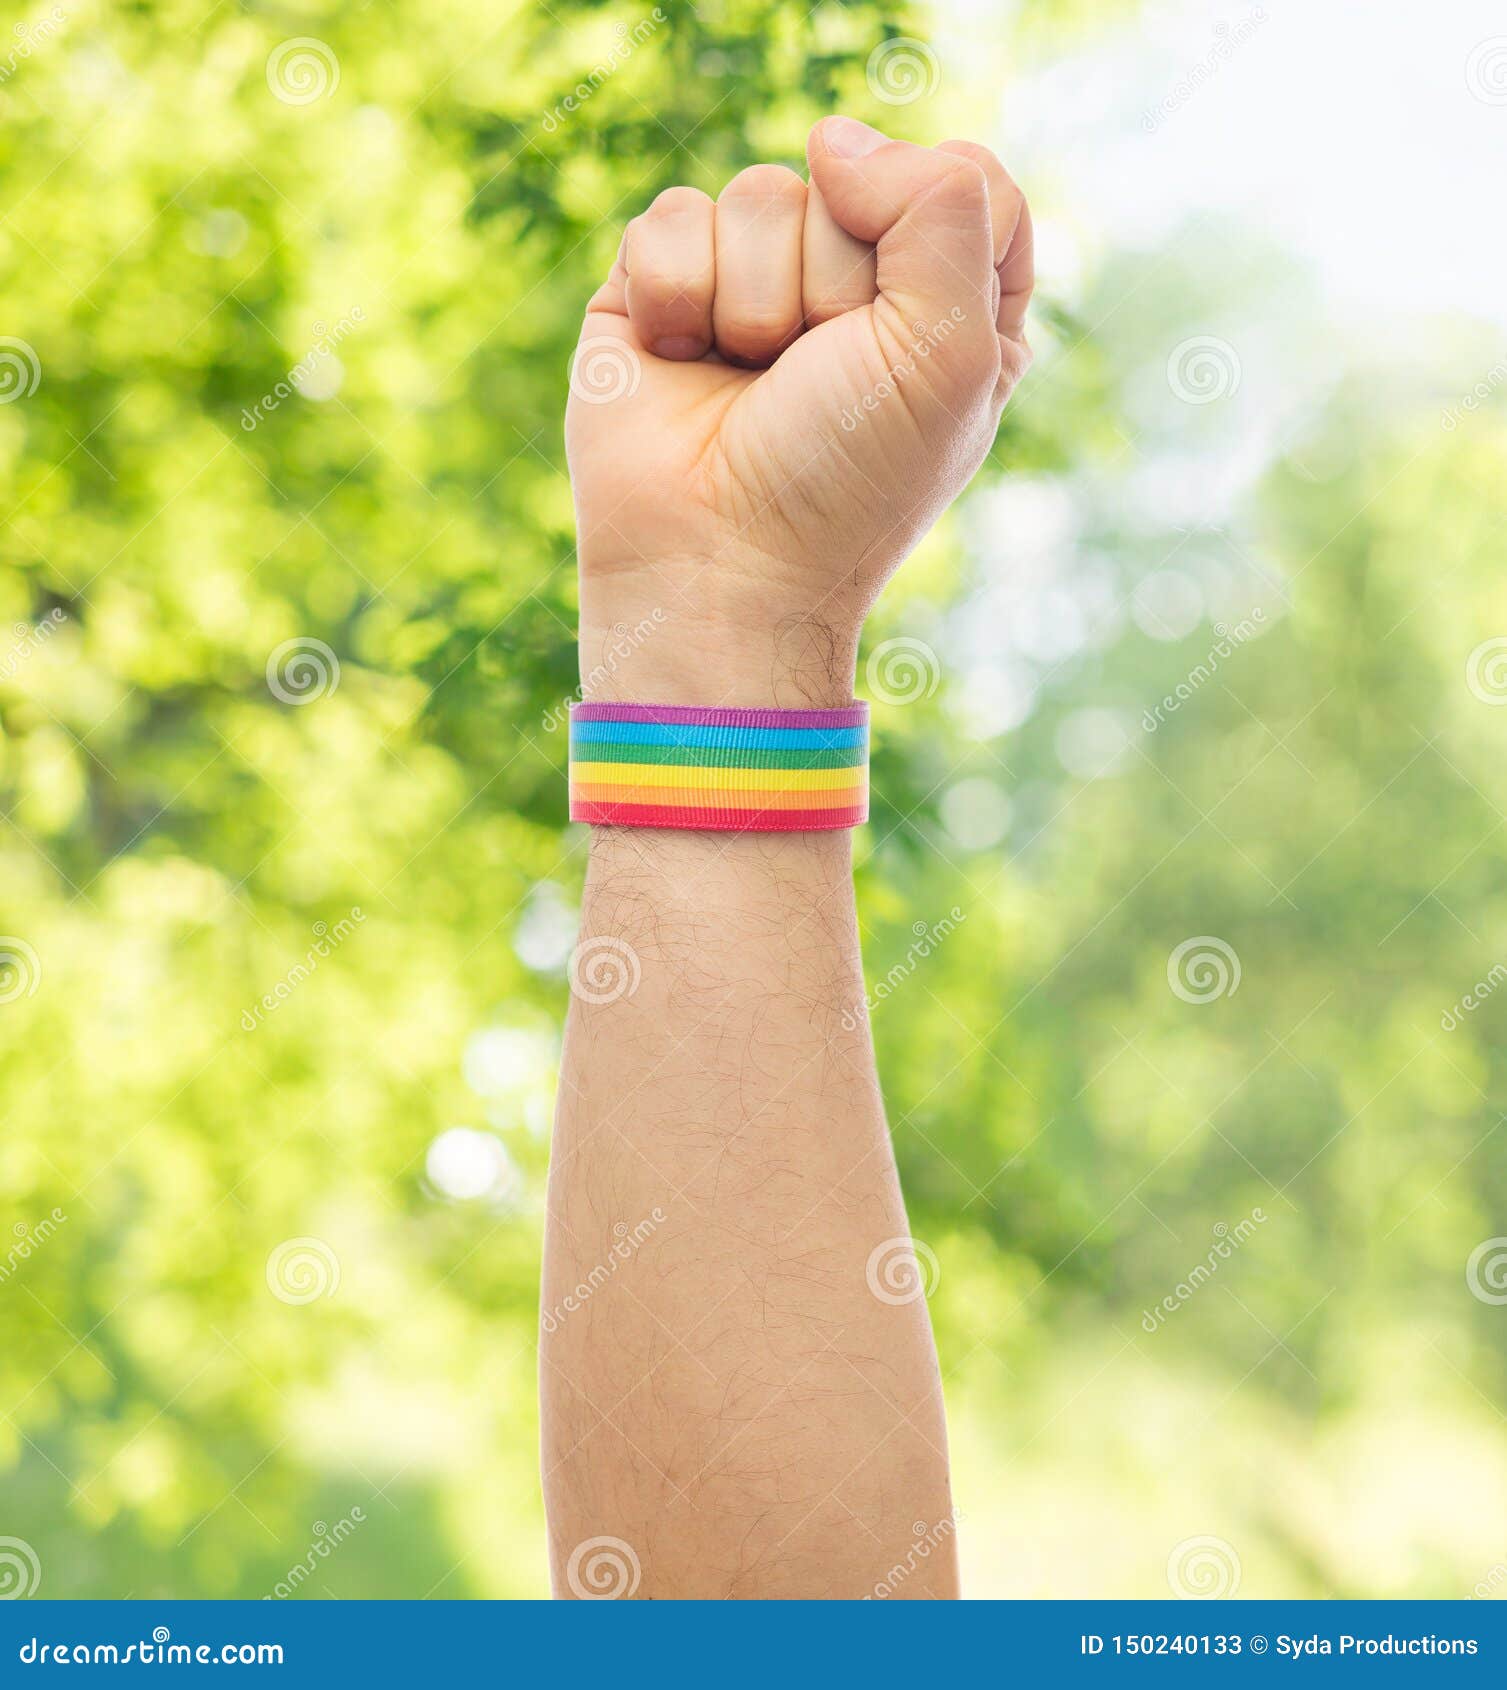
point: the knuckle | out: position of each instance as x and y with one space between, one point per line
768 183
975 151
961 186
679 202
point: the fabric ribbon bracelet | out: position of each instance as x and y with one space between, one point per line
672 765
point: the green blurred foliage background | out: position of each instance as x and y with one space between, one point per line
384 856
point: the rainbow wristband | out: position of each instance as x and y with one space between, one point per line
672 765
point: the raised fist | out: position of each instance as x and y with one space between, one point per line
775 395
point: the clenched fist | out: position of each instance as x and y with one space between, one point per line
775 395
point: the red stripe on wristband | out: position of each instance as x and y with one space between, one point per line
715 820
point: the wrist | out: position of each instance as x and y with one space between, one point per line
659 658
723 638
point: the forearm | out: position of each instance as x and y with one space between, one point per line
731 1397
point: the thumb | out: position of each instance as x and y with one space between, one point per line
927 213
608 361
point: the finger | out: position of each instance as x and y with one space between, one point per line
608 357
927 212
1005 199
837 269
671 274
611 298
1017 278
760 217
1010 227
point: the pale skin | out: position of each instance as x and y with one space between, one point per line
746 1398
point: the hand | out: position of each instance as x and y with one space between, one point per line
775 396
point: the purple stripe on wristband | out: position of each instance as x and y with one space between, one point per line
851 716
